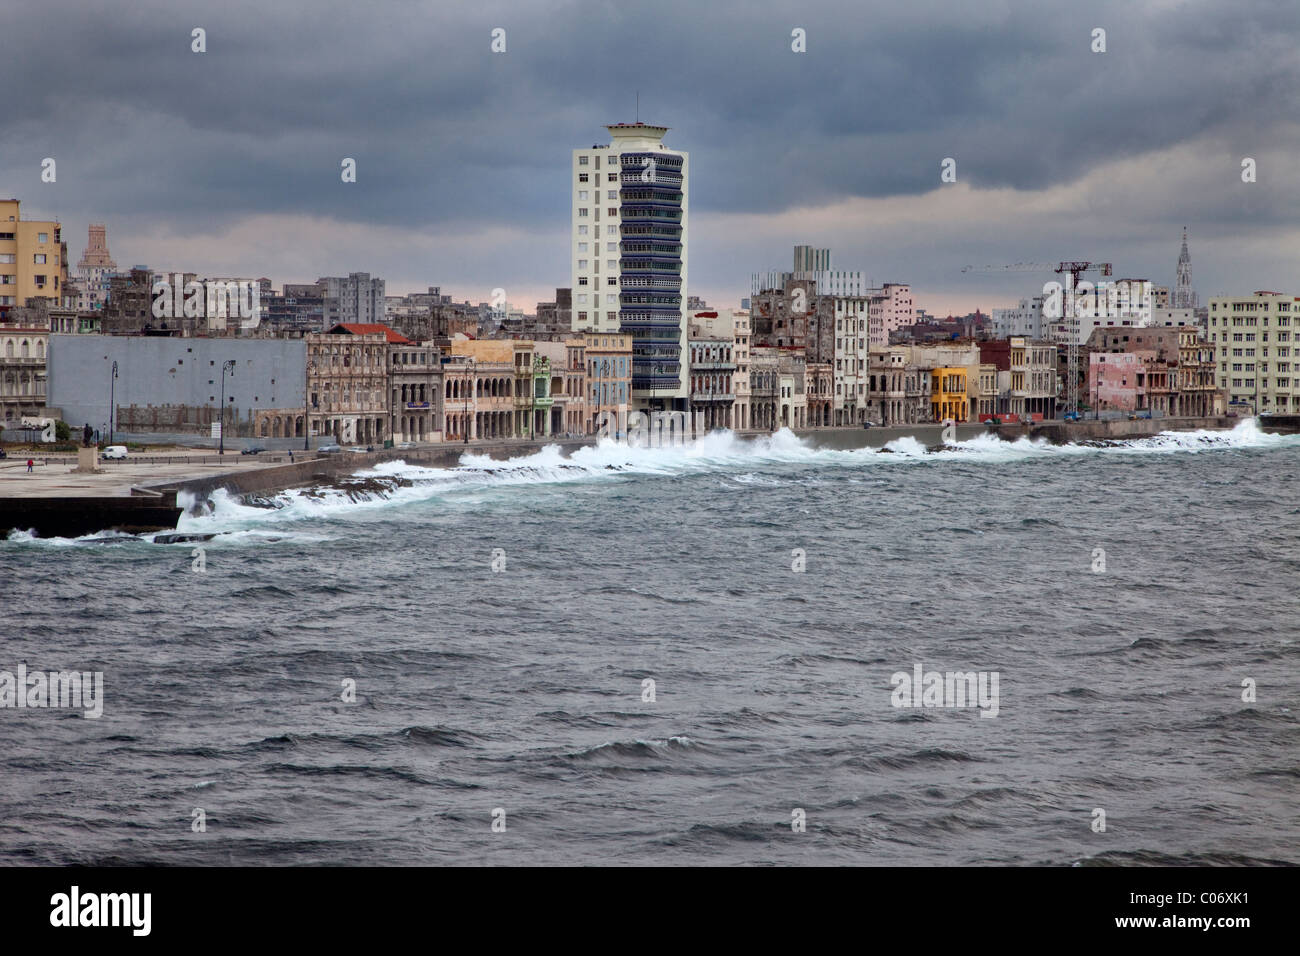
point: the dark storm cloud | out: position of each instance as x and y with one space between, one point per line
451 138
442 128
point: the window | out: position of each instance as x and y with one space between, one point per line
582 177
582 247
611 247
582 263
582 195
611 194
38 259
582 211
42 237
611 281
582 160
613 177
613 212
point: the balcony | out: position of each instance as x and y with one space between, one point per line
713 397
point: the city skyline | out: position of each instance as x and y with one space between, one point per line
229 166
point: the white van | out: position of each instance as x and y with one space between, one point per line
114 453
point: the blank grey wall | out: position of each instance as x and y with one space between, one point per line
268 373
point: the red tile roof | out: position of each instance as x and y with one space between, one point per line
356 328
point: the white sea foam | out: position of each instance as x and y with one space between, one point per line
737 460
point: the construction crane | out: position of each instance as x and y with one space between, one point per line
1074 269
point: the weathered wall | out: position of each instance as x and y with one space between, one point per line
162 370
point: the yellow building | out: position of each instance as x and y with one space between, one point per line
33 259
948 399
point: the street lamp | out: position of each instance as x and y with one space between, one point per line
228 365
112 383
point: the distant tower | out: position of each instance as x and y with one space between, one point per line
94 269
1184 294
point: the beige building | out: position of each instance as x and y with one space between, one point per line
898 389
483 384
22 372
1254 338
347 385
792 388
33 259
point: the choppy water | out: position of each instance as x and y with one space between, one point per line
522 689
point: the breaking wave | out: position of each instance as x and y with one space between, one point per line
736 460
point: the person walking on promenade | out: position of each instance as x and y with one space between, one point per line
29 465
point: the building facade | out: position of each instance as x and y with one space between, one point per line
629 245
1254 341
22 372
347 384
415 382
94 269
33 258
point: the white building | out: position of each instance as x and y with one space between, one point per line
629 244
814 264
1076 312
1025 320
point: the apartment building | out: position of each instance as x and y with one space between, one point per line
629 255
1254 340
33 258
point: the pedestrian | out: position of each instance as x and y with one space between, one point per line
291 456
29 465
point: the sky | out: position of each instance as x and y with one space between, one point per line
228 162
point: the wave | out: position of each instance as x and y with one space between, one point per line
738 461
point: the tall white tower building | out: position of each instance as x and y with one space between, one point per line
628 262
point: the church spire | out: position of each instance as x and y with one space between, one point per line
1184 294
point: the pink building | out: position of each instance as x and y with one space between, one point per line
1117 380
891 309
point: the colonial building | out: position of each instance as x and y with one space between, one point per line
416 385
347 382
898 390
482 388
22 371
765 387
711 370
792 388
821 399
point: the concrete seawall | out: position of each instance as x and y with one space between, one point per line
74 516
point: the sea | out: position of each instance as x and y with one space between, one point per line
735 652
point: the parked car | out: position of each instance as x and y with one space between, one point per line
1070 416
328 449
114 453
358 449
253 450
406 444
